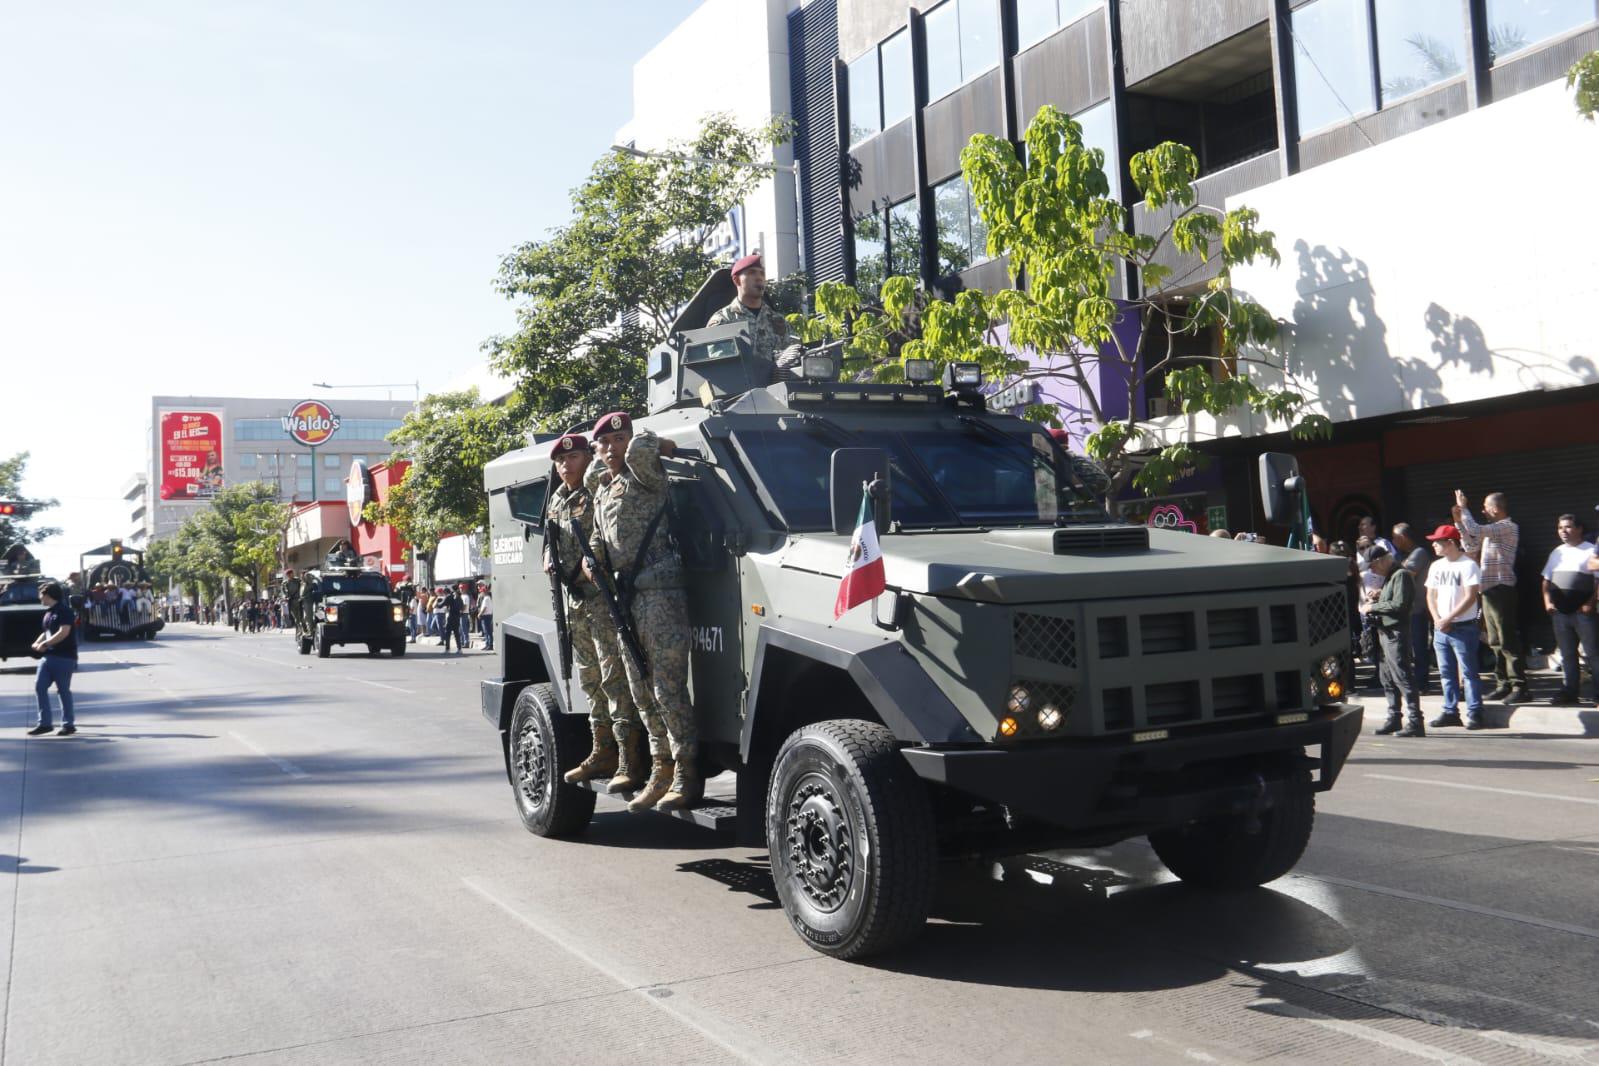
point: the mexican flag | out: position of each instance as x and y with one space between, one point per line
863 574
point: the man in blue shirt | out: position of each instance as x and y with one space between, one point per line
57 647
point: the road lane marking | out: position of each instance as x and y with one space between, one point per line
1594 801
1453 904
282 764
1371 1034
725 1037
379 684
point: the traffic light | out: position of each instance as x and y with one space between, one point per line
15 508
116 550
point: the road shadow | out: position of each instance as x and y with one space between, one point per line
19 864
752 877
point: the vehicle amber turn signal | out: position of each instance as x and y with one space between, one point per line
1335 689
1008 726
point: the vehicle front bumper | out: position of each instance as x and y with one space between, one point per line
1113 781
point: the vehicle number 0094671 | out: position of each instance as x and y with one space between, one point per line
707 638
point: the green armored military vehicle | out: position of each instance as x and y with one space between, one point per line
1035 675
21 612
341 603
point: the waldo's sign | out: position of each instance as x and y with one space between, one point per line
312 423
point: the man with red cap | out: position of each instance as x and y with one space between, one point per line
614 721
633 543
1454 599
768 330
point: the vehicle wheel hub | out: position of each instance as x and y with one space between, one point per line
821 848
532 765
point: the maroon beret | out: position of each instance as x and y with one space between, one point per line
572 442
752 260
613 422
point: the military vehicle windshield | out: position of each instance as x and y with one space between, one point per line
354 584
984 476
24 591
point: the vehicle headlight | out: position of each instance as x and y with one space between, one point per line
399 613
1049 716
333 614
1020 699
1331 667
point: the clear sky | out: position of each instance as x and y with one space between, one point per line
241 197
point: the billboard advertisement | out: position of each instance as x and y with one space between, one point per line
191 454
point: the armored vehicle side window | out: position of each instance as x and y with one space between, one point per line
355 584
20 592
527 502
699 528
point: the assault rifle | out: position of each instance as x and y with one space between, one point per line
613 607
563 635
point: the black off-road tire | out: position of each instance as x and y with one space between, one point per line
374 649
850 833
304 644
398 648
1221 852
324 643
544 745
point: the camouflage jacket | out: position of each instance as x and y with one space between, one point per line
566 505
768 329
626 505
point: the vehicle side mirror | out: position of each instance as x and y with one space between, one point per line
658 364
851 468
1280 486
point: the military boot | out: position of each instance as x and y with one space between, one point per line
687 787
631 773
660 781
1414 726
602 759
1392 725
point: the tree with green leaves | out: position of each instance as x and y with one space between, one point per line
448 439
18 529
1053 217
239 535
598 294
1584 78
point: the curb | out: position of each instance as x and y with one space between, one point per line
1543 720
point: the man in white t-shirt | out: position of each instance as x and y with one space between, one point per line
1454 599
1568 596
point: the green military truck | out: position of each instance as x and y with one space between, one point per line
344 604
1034 676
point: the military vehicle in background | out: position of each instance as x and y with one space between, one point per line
21 613
104 611
342 603
1034 676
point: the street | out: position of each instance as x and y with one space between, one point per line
250 855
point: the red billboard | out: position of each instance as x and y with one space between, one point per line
191 454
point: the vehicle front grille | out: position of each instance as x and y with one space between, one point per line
1101 539
1046 637
363 616
1179 660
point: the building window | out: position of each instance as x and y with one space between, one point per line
332 484
331 461
899 89
247 460
1037 19
871 252
1419 43
962 237
962 42
1332 73
905 240
359 459
303 486
1517 24
258 429
865 98
1099 131
367 428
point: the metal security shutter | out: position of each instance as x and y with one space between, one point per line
1542 486
813 46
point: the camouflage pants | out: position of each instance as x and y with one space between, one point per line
597 661
660 618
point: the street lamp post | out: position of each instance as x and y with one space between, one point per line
791 169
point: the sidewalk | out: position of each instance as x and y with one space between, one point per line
1533 718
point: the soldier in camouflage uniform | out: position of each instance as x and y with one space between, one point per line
768 330
612 716
632 541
